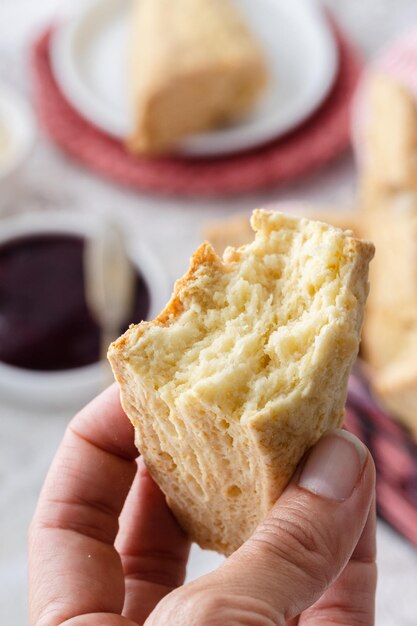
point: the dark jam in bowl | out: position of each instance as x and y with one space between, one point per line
44 320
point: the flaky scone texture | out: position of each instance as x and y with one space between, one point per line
244 370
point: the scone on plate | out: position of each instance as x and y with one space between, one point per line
244 370
194 65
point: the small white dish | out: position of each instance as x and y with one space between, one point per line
72 388
89 59
17 131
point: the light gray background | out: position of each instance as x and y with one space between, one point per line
28 438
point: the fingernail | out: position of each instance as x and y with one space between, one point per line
334 466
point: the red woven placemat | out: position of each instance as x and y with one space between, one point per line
317 141
395 454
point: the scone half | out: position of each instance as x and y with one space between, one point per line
244 370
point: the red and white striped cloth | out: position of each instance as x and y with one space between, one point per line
395 455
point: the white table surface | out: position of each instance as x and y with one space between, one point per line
172 226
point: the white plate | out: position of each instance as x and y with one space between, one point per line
89 58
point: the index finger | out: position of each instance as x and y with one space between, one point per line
74 567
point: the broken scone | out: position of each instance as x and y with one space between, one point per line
244 370
194 65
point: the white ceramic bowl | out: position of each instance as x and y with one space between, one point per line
72 388
17 123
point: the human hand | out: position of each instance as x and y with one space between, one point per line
310 563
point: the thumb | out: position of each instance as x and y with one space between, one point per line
296 553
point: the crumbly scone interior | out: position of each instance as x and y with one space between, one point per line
245 339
